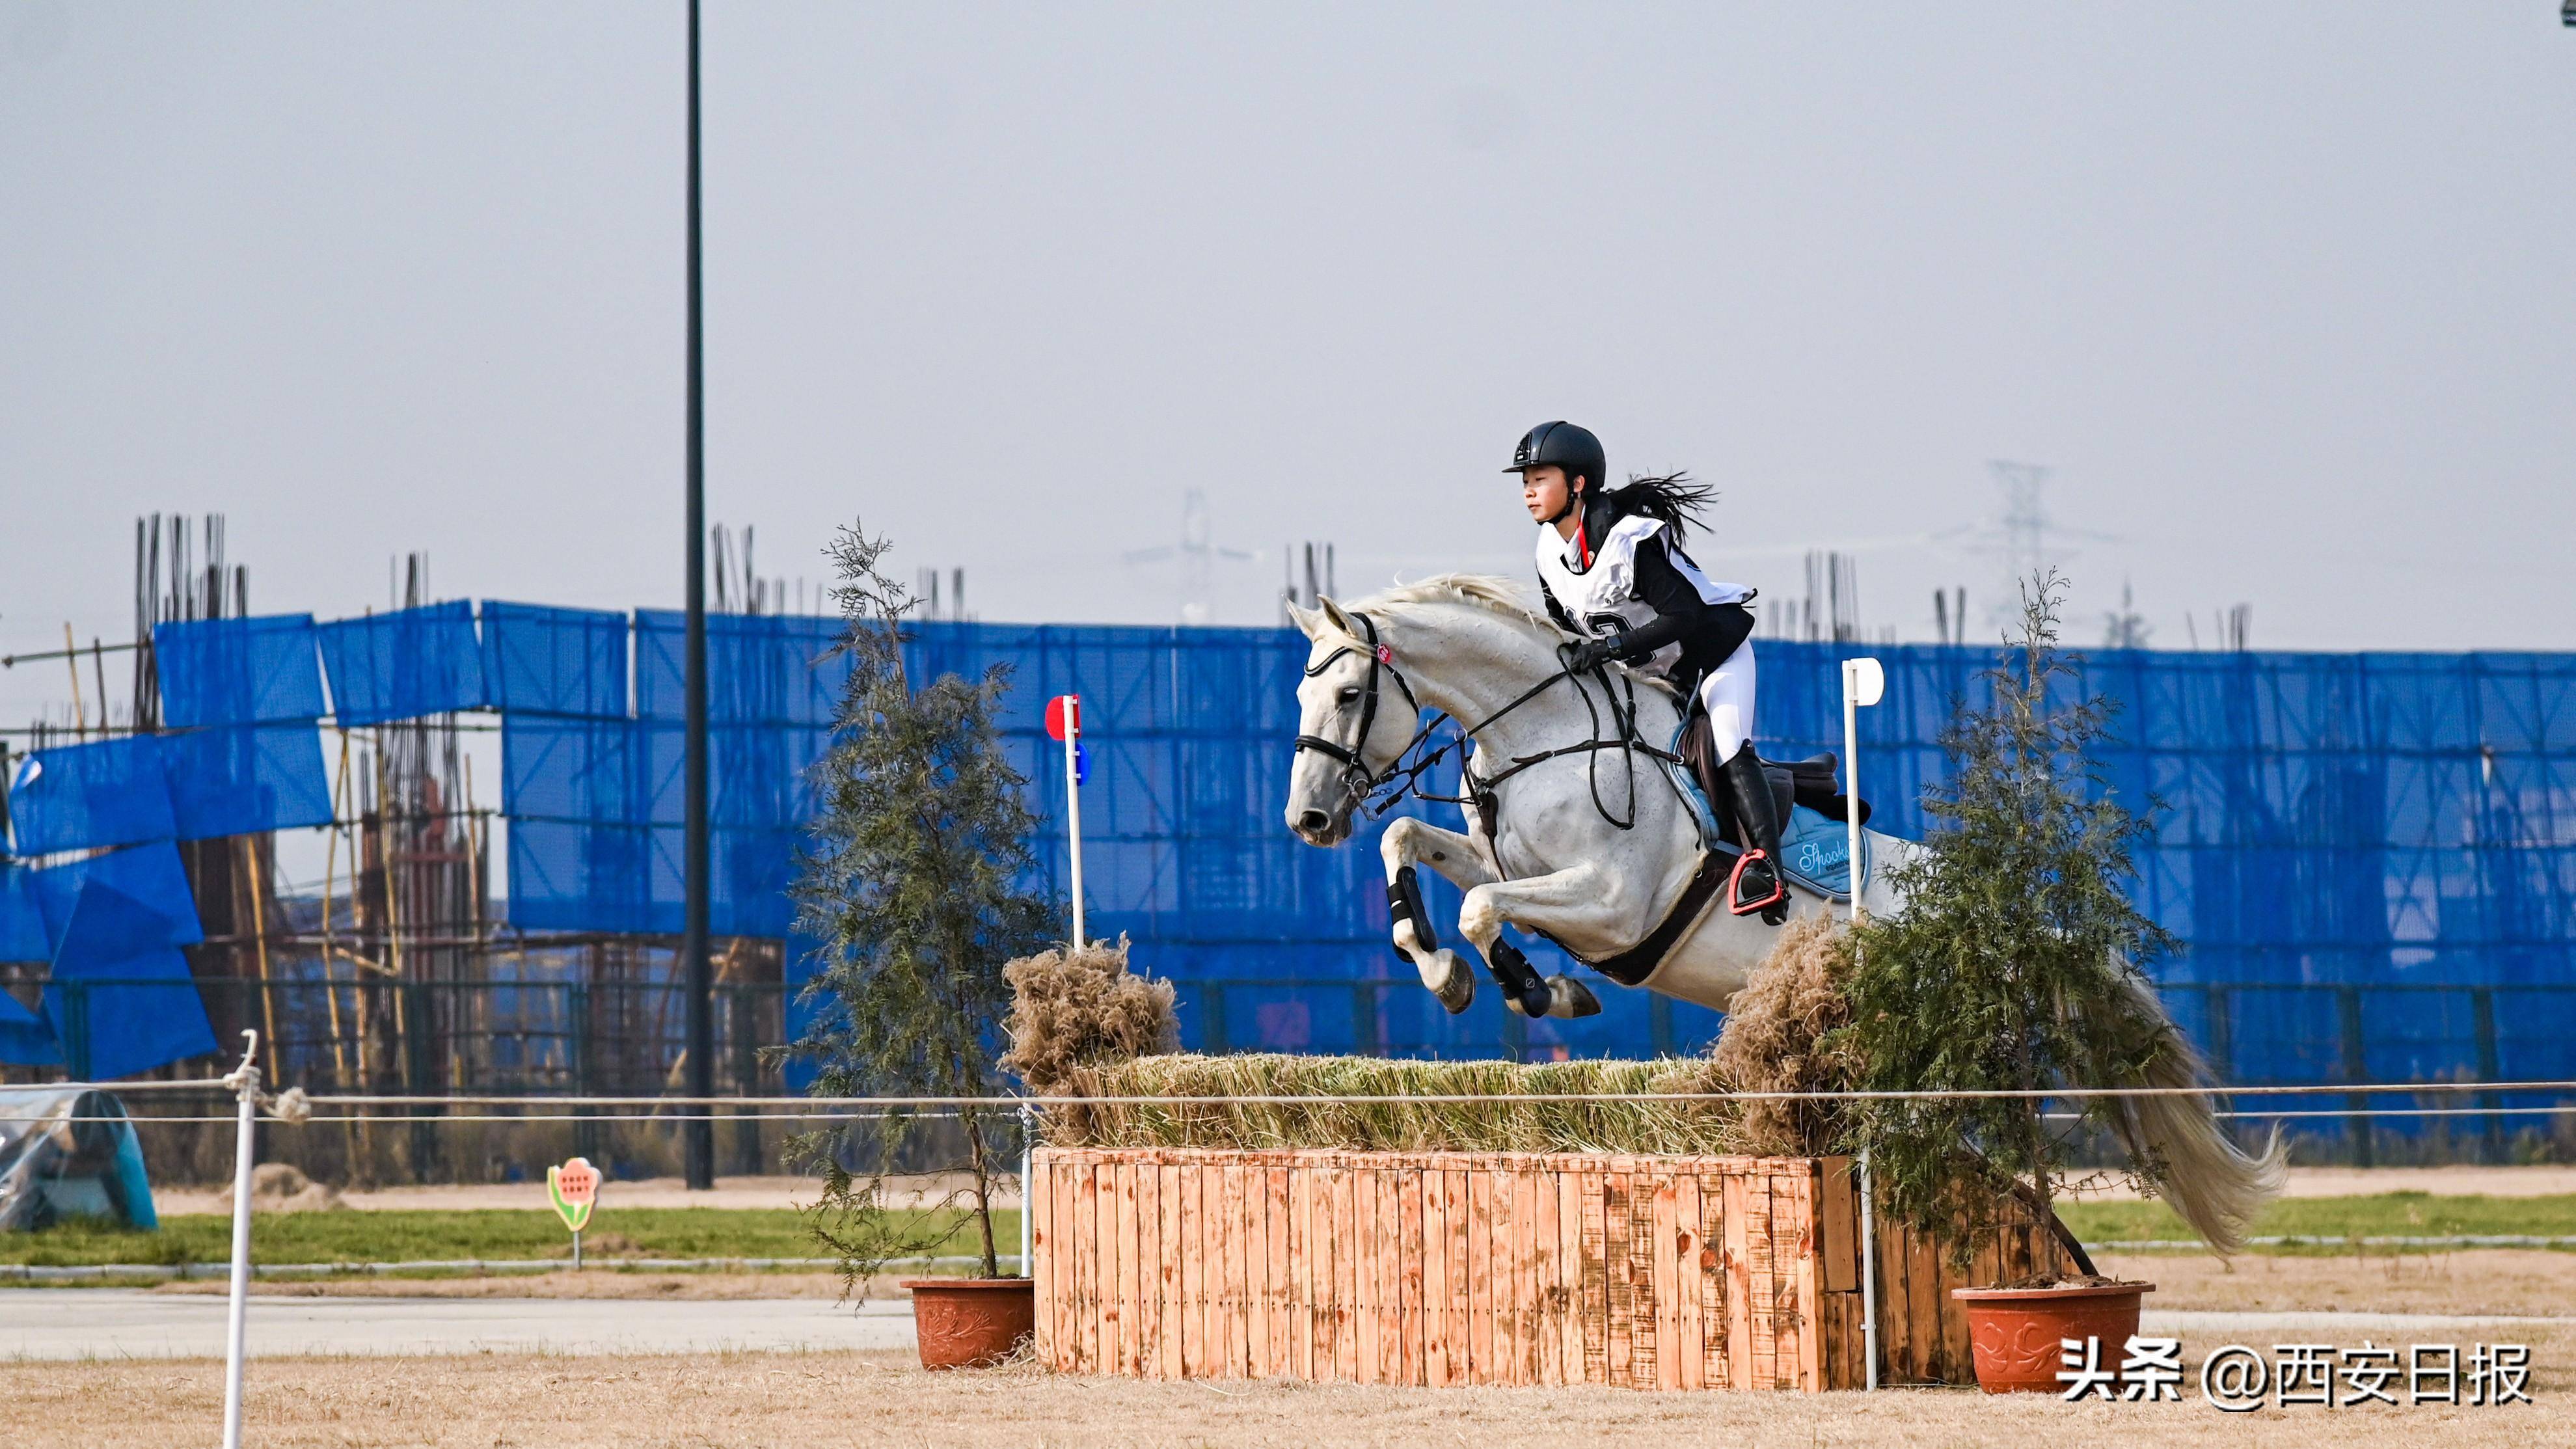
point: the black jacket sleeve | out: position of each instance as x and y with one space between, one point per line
1705 630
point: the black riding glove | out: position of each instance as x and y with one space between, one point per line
1594 652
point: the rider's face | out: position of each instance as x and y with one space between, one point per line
1543 492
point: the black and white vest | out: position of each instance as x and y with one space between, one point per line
1603 599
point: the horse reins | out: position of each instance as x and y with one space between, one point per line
1363 784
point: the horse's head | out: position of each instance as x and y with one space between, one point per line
1355 715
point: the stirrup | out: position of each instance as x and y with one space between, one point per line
1734 888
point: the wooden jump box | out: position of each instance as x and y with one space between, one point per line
1441 1268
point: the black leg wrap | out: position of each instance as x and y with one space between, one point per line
1513 972
1404 903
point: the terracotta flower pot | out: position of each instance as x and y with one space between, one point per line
971 1322
2017 1333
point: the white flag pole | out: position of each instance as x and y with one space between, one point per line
1863 683
1073 804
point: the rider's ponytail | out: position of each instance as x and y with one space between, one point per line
1672 497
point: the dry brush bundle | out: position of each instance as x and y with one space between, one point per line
1083 1025
1773 1040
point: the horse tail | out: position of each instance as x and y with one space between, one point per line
2178 1142
1672 497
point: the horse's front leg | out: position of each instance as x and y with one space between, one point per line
1410 842
1576 901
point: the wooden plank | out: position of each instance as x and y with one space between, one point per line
1038 1195
1595 1190
1436 1333
1090 1305
1690 1359
1546 1286
1346 1273
1388 1240
1227 1246
1508 1295
1534 1229
1710 1283
1736 1259
1150 1301
1662 1268
1413 1274
1131 1344
1926 1310
1279 1229
1838 1224
1171 1254
1460 1221
1481 1365
1191 1285
1619 1224
1301 1264
1569 1276
1804 1196
1363 1260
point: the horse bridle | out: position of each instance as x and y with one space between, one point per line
1362 783
1357 778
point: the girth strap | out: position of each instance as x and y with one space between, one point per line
1632 966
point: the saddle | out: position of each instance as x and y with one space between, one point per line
1810 782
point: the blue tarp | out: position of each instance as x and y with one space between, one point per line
120 998
22 920
539 660
246 780
82 797
405 664
237 671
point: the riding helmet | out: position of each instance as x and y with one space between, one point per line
1564 445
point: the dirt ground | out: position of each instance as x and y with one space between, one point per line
590 1284
869 1399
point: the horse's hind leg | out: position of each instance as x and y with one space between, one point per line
1577 900
1406 843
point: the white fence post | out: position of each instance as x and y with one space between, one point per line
244 1081
1863 683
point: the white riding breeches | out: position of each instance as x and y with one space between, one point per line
1726 692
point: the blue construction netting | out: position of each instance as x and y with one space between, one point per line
540 660
761 668
405 664
237 671
82 797
246 780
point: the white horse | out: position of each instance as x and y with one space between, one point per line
1592 846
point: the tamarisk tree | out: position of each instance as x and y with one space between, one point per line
912 886
2013 965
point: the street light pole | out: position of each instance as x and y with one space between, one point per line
701 1135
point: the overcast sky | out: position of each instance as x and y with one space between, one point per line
2284 293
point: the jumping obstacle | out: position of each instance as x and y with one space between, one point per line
1450 1268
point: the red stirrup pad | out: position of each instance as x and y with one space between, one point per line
1779 887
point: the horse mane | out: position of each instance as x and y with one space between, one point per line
1488 592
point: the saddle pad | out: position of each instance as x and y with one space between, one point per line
1816 853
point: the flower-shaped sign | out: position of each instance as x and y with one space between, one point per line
575 1190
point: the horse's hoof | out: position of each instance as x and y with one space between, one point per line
1449 980
1571 1000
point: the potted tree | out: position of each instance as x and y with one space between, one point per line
912 889
2013 969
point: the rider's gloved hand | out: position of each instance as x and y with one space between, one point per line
1594 652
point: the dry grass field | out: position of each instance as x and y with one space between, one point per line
743 1401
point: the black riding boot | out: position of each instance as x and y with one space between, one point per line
1756 885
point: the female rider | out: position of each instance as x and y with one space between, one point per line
1611 566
